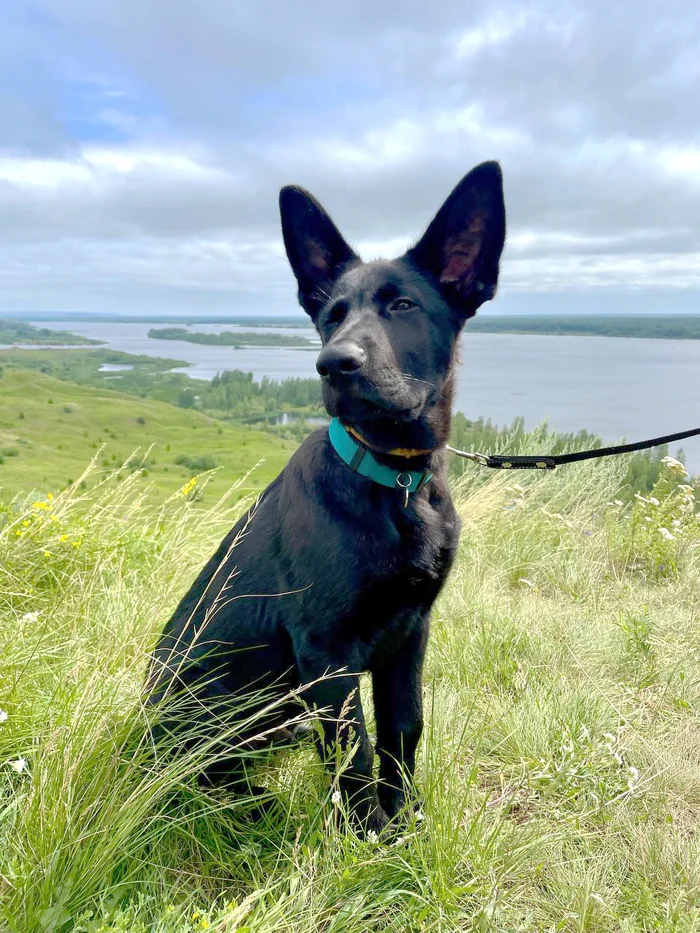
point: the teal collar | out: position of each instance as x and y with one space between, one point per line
362 461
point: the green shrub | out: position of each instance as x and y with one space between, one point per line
196 464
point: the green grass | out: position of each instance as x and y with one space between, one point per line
55 428
560 765
84 366
231 395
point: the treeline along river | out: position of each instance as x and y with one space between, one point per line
611 386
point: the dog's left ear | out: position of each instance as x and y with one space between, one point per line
315 248
462 246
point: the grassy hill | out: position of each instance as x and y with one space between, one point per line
559 767
50 430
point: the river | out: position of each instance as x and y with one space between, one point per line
613 386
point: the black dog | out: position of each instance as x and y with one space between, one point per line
339 565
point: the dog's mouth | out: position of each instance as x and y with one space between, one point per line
357 410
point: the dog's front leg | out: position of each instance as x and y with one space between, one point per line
398 711
343 723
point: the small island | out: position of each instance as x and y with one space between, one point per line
228 338
19 332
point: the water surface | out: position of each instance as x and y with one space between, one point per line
618 387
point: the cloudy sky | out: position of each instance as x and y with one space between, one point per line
143 144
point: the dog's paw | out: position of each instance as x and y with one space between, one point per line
368 820
376 823
401 806
392 800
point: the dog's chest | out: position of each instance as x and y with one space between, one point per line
403 564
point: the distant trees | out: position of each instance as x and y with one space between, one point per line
227 338
657 326
25 333
234 395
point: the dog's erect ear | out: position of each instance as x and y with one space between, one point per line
317 252
462 246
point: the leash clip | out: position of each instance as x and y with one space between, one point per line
476 457
405 485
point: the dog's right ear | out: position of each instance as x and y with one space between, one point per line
316 251
462 246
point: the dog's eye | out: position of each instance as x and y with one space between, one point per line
403 304
337 313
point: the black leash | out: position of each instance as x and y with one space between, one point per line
504 462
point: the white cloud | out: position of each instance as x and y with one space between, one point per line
495 30
590 106
681 161
41 173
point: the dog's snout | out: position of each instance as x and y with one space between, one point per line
339 360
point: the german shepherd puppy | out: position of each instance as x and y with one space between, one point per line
335 571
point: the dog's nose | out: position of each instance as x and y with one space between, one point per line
338 360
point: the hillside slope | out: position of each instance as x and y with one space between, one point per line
50 430
559 769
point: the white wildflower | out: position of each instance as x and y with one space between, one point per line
634 774
30 617
3 715
372 836
419 815
646 518
617 502
19 765
336 798
610 747
641 498
674 465
654 500
665 533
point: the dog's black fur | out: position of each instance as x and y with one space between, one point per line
360 571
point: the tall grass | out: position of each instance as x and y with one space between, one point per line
559 769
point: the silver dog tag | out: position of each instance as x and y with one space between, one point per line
403 481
